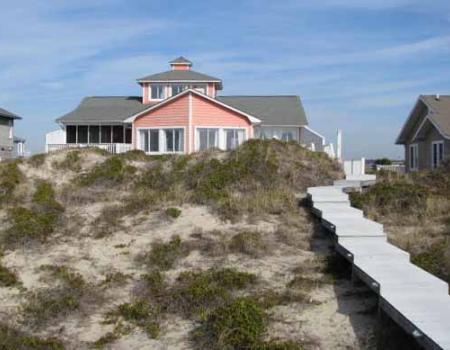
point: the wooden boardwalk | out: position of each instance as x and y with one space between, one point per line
418 301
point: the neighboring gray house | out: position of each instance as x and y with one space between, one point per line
426 133
7 142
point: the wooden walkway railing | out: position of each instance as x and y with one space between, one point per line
418 301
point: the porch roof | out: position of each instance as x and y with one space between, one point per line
6 114
104 109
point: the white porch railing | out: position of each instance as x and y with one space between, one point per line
113 148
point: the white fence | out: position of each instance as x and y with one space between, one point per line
113 148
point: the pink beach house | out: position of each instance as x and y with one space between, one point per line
181 111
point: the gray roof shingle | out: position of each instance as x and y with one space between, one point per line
441 111
114 109
6 114
272 110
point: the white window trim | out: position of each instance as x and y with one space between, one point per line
221 135
432 153
413 159
164 91
161 138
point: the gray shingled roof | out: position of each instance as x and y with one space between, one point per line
181 60
180 76
104 109
272 110
438 113
7 114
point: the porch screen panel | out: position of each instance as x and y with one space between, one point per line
82 134
71 134
105 133
117 134
94 134
127 135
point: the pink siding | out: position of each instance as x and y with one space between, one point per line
174 113
204 113
145 93
181 67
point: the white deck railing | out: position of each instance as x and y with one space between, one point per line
113 148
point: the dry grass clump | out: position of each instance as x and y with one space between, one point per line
247 242
37 160
163 255
8 278
72 162
12 339
113 170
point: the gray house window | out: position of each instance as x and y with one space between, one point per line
437 153
414 157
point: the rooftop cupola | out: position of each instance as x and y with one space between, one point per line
180 63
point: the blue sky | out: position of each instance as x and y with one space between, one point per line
357 64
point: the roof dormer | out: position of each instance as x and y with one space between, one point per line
180 63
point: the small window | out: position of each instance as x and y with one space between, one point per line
207 138
177 89
94 134
71 134
437 153
157 92
414 157
234 138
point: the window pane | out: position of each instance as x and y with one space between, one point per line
287 136
176 89
154 140
105 134
179 140
117 134
169 140
157 91
231 139
200 87
82 134
143 140
203 139
94 136
71 134
212 138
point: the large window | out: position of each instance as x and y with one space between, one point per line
174 140
414 157
234 137
207 138
437 153
176 89
157 92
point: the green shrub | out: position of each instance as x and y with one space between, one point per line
164 255
72 162
26 224
11 339
103 341
44 198
393 197
136 155
173 212
247 242
7 278
65 275
37 160
155 283
199 292
140 313
238 325
10 178
112 170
